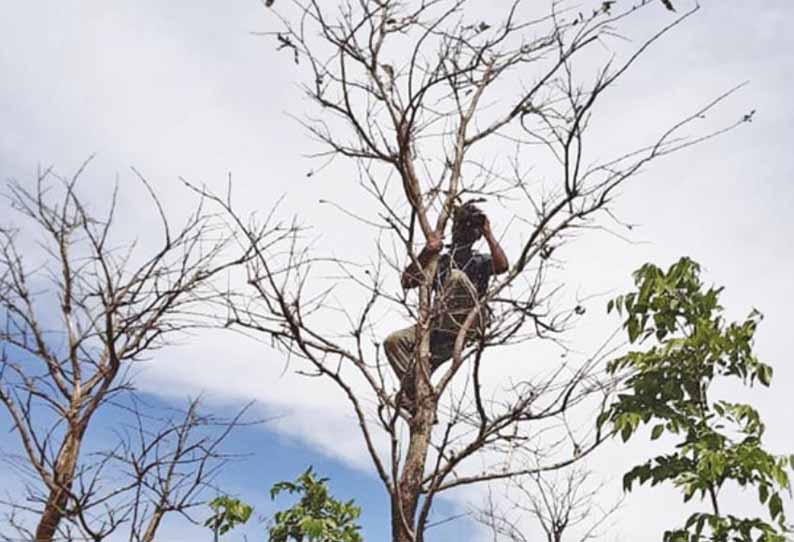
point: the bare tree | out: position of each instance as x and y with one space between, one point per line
156 466
75 319
565 504
436 103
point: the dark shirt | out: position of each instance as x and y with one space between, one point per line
477 266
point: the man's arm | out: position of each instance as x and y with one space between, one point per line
412 276
498 256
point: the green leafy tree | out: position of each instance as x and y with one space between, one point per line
316 517
671 387
228 513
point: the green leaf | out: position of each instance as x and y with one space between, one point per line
628 480
228 514
775 505
763 493
657 431
602 419
764 374
633 327
311 527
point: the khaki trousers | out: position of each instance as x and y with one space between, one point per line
452 305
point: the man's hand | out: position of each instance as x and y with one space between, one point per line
500 263
435 242
412 274
486 229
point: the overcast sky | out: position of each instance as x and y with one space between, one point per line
182 88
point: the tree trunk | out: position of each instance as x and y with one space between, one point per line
63 475
411 481
405 501
404 504
154 524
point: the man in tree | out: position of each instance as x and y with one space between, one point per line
461 280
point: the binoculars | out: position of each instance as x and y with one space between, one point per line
476 220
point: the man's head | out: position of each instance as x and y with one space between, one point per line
467 224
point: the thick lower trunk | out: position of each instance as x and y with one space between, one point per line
405 499
63 475
405 504
51 516
154 523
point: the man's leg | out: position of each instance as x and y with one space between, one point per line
453 305
399 348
